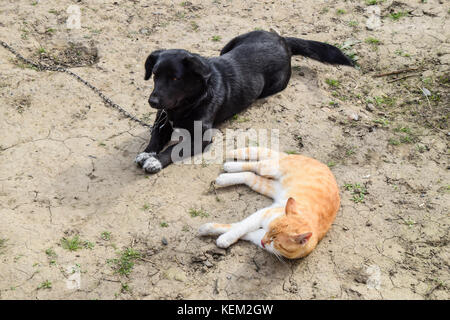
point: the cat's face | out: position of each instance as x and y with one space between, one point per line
288 235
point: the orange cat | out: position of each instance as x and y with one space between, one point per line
306 200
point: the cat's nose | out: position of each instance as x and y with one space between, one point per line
263 244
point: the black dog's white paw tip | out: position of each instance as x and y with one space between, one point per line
142 157
152 165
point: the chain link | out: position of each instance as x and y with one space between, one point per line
105 99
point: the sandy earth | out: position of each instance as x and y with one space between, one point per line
66 159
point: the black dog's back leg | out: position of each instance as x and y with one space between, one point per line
279 82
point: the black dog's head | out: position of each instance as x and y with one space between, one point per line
179 77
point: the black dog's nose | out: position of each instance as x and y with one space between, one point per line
154 101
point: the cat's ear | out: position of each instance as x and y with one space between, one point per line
303 238
291 207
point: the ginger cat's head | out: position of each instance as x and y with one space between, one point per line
289 235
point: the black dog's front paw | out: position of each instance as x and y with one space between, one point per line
152 165
142 157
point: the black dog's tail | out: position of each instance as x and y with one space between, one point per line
318 51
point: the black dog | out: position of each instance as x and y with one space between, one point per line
188 87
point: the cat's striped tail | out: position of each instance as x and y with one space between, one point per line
254 153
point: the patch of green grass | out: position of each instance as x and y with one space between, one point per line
125 263
106 235
410 223
145 207
372 40
352 23
216 38
50 253
383 121
371 2
357 190
164 224
125 288
332 83
291 152
393 142
402 53
403 129
340 11
198 213
331 164
75 243
45 285
397 15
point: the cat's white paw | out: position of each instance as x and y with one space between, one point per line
206 229
224 241
232 166
141 157
152 165
222 180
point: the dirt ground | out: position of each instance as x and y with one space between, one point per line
78 219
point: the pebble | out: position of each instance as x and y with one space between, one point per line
164 241
370 107
208 264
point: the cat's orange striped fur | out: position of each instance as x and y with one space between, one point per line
306 200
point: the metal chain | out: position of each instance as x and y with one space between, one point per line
105 99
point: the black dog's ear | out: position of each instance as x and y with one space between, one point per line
150 63
198 65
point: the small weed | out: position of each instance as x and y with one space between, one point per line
106 235
164 224
291 152
393 142
50 253
75 243
383 121
125 263
45 285
410 223
145 207
352 23
340 11
373 41
198 213
332 83
125 288
358 191
216 38
384 100
331 164
402 53
397 15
